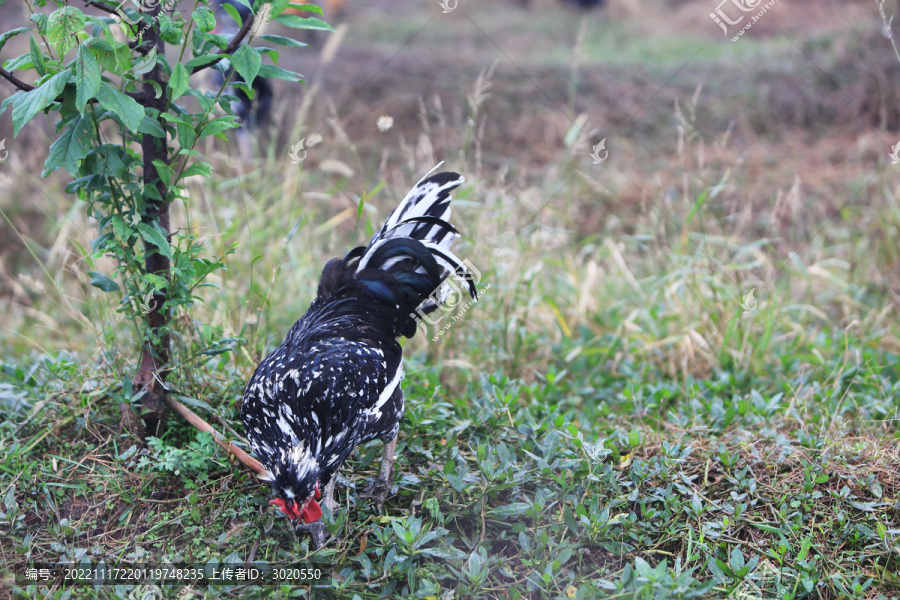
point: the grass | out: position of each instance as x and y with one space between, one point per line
606 422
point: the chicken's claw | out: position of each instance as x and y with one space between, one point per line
379 489
316 531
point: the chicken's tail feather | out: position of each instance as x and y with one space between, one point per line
408 260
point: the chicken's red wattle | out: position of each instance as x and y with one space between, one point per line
310 512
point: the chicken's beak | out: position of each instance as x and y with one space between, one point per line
309 511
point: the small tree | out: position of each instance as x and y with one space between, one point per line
130 180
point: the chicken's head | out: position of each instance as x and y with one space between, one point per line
295 481
309 510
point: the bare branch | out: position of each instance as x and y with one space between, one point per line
140 97
15 80
101 6
202 425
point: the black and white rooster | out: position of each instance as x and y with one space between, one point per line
334 382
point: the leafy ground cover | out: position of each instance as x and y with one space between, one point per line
614 418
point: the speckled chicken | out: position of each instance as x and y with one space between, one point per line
334 382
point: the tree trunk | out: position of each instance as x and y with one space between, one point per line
155 354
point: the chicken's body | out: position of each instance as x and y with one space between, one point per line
334 382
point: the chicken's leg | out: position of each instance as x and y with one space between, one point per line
316 531
329 495
387 461
381 487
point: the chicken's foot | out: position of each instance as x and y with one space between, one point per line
381 487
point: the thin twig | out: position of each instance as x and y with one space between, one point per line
15 80
202 425
101 6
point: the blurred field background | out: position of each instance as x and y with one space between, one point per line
614 301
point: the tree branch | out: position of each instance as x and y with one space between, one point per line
102 7
140 97
15 80
232 45
202 425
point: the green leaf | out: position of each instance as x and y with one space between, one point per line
145 64
179 82
164 171
186 135
203 60
124 106
205 19
273 72
154 237
151 127
19 63
277 7
765 527
64 23
307 8
198 168
157 89
725 568
168 30
115 60
219 125
37 57
70 148
804 548
10 34
284 41
246 62
33 102
103 282
151 193
87 77
196 403
10 100
41 20
233 13
304 22
207 100
456 482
